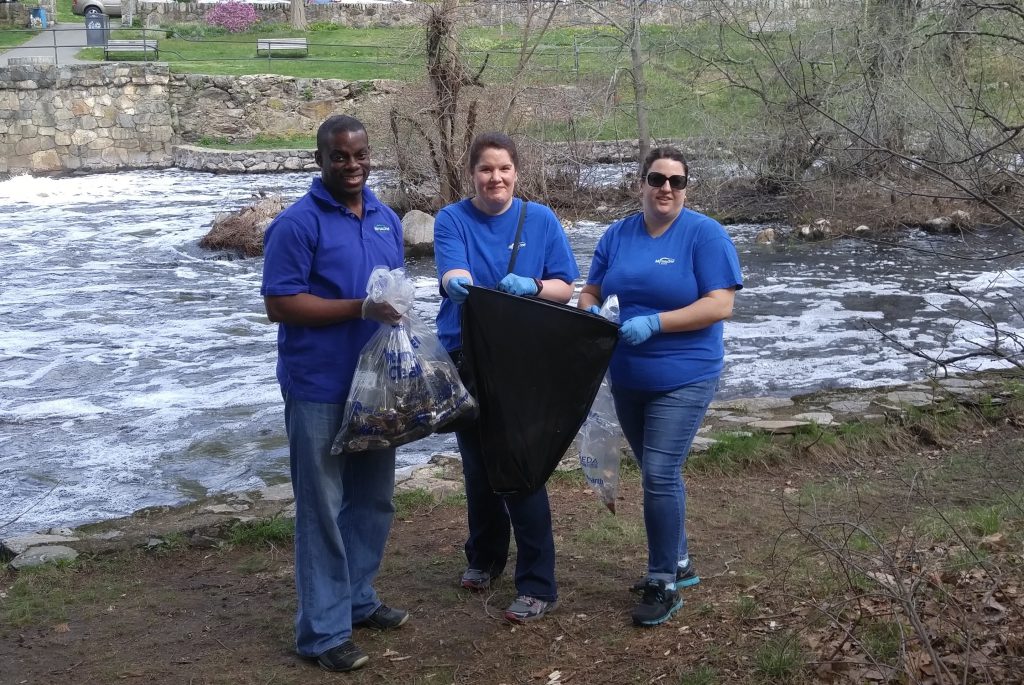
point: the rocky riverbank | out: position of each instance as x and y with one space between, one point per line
208 522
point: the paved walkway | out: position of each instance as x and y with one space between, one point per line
61 42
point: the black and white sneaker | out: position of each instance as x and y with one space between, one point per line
657 604
384 618
344 657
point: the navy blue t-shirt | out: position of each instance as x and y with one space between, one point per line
318 246
466 238
652 275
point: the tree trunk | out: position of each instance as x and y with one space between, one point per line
643 132
298 15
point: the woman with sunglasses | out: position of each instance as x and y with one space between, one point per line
675 272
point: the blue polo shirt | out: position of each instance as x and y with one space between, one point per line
318 246
652 275
466 238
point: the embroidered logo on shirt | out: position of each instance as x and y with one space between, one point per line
521 246
382 228
665 260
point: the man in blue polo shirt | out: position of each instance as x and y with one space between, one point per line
318 256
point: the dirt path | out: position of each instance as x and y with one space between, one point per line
181 614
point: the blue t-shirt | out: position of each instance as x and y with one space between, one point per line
466 238
318 246
652 275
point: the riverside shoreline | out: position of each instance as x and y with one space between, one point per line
207 522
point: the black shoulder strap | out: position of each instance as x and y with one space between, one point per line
515 243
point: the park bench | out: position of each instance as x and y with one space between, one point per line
143 45
271 45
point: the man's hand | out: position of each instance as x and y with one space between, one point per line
380 311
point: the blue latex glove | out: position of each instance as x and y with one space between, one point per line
456 288
640 328
594 309
518 285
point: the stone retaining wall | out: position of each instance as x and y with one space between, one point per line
14 15
271 161
371 15
113 116
398 14
70 118
238 108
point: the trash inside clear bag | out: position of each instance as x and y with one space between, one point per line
600 439
405 384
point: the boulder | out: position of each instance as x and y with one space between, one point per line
819 230
418 232
37 556
14 546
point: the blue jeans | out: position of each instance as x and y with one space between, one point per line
492 516
343 513
660 427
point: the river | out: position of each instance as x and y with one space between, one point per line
137 369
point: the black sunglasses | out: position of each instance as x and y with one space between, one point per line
657 180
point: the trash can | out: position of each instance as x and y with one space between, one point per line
38 15
97 29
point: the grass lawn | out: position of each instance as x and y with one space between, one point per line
65 15
586 58
10 38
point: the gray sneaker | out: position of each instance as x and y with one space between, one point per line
526 609
476 580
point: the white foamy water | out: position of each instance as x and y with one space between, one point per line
137 369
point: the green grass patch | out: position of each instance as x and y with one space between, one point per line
612 532
950 525
65 15
454 499
12 38
746 606
272 531
702 675
288 141
410 502
46 594
734 451
573 477
881 639
779 660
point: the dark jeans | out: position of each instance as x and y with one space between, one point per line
491 517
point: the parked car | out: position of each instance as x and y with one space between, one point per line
111 8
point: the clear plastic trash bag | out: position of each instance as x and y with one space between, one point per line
405 384
600 440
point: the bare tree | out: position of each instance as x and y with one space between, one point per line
631 37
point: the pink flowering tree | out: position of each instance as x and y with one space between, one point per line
236 17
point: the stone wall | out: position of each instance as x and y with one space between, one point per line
238 108
89 118
14 15
371 15
116 115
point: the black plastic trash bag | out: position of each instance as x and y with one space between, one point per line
537 366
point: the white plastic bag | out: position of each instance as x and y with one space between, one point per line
601 437
405 384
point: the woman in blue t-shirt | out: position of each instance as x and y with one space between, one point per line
473 241
675 272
